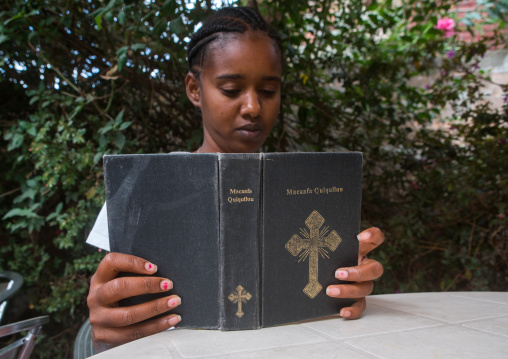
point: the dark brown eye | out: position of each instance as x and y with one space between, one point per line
268 93
230 93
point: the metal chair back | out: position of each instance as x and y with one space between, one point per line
10 283
22 348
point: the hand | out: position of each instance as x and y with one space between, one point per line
113 325
363 274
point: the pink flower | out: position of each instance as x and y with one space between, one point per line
501 215
446 24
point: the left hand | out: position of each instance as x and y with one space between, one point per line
363 274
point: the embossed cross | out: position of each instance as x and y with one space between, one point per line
242 296
313 244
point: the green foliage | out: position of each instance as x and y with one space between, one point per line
80 79
433 182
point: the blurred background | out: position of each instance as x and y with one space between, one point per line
420 87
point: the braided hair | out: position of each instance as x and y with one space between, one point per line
227 20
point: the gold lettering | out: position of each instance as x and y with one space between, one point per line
240 191
315 190
240 199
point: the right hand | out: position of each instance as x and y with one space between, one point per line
113 325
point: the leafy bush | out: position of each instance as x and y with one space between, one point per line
83 79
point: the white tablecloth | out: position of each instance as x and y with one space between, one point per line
420 325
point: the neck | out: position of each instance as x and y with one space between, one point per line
204 148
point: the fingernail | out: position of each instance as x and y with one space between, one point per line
174 320
174 302
333 291
363 236
345 313
166 284
150 267
341 274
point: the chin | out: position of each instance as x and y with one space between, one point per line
247 148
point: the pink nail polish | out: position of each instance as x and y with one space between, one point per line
174 302
165 285
341 274
150 267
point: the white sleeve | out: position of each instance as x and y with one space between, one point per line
99 236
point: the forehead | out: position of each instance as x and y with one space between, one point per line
249 53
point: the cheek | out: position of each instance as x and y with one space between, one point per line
274 109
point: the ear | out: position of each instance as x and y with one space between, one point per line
193 89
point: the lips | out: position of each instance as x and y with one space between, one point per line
251 130
250 127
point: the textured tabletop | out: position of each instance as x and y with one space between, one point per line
419 325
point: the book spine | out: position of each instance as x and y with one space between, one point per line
239 206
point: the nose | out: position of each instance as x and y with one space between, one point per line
251 106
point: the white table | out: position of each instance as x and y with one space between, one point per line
420 325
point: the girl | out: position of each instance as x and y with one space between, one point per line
235 69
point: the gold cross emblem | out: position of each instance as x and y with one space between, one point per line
241 296
311 245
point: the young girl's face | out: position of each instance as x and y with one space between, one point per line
238 92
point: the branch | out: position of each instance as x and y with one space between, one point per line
9 192
54 68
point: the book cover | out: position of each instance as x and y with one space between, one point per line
249 240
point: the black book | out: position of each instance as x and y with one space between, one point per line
249 240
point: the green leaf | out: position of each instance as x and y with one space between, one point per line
33 100
122 51
97 157
176 26
119 117
56 213
119 140
106 128
32 131
16 142
122 60
125 125
121 18
138 46
21 212
103 141
159 27
98 20
109 17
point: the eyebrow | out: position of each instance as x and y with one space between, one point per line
241 77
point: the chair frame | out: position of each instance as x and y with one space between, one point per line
26 344
17 281
13 286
